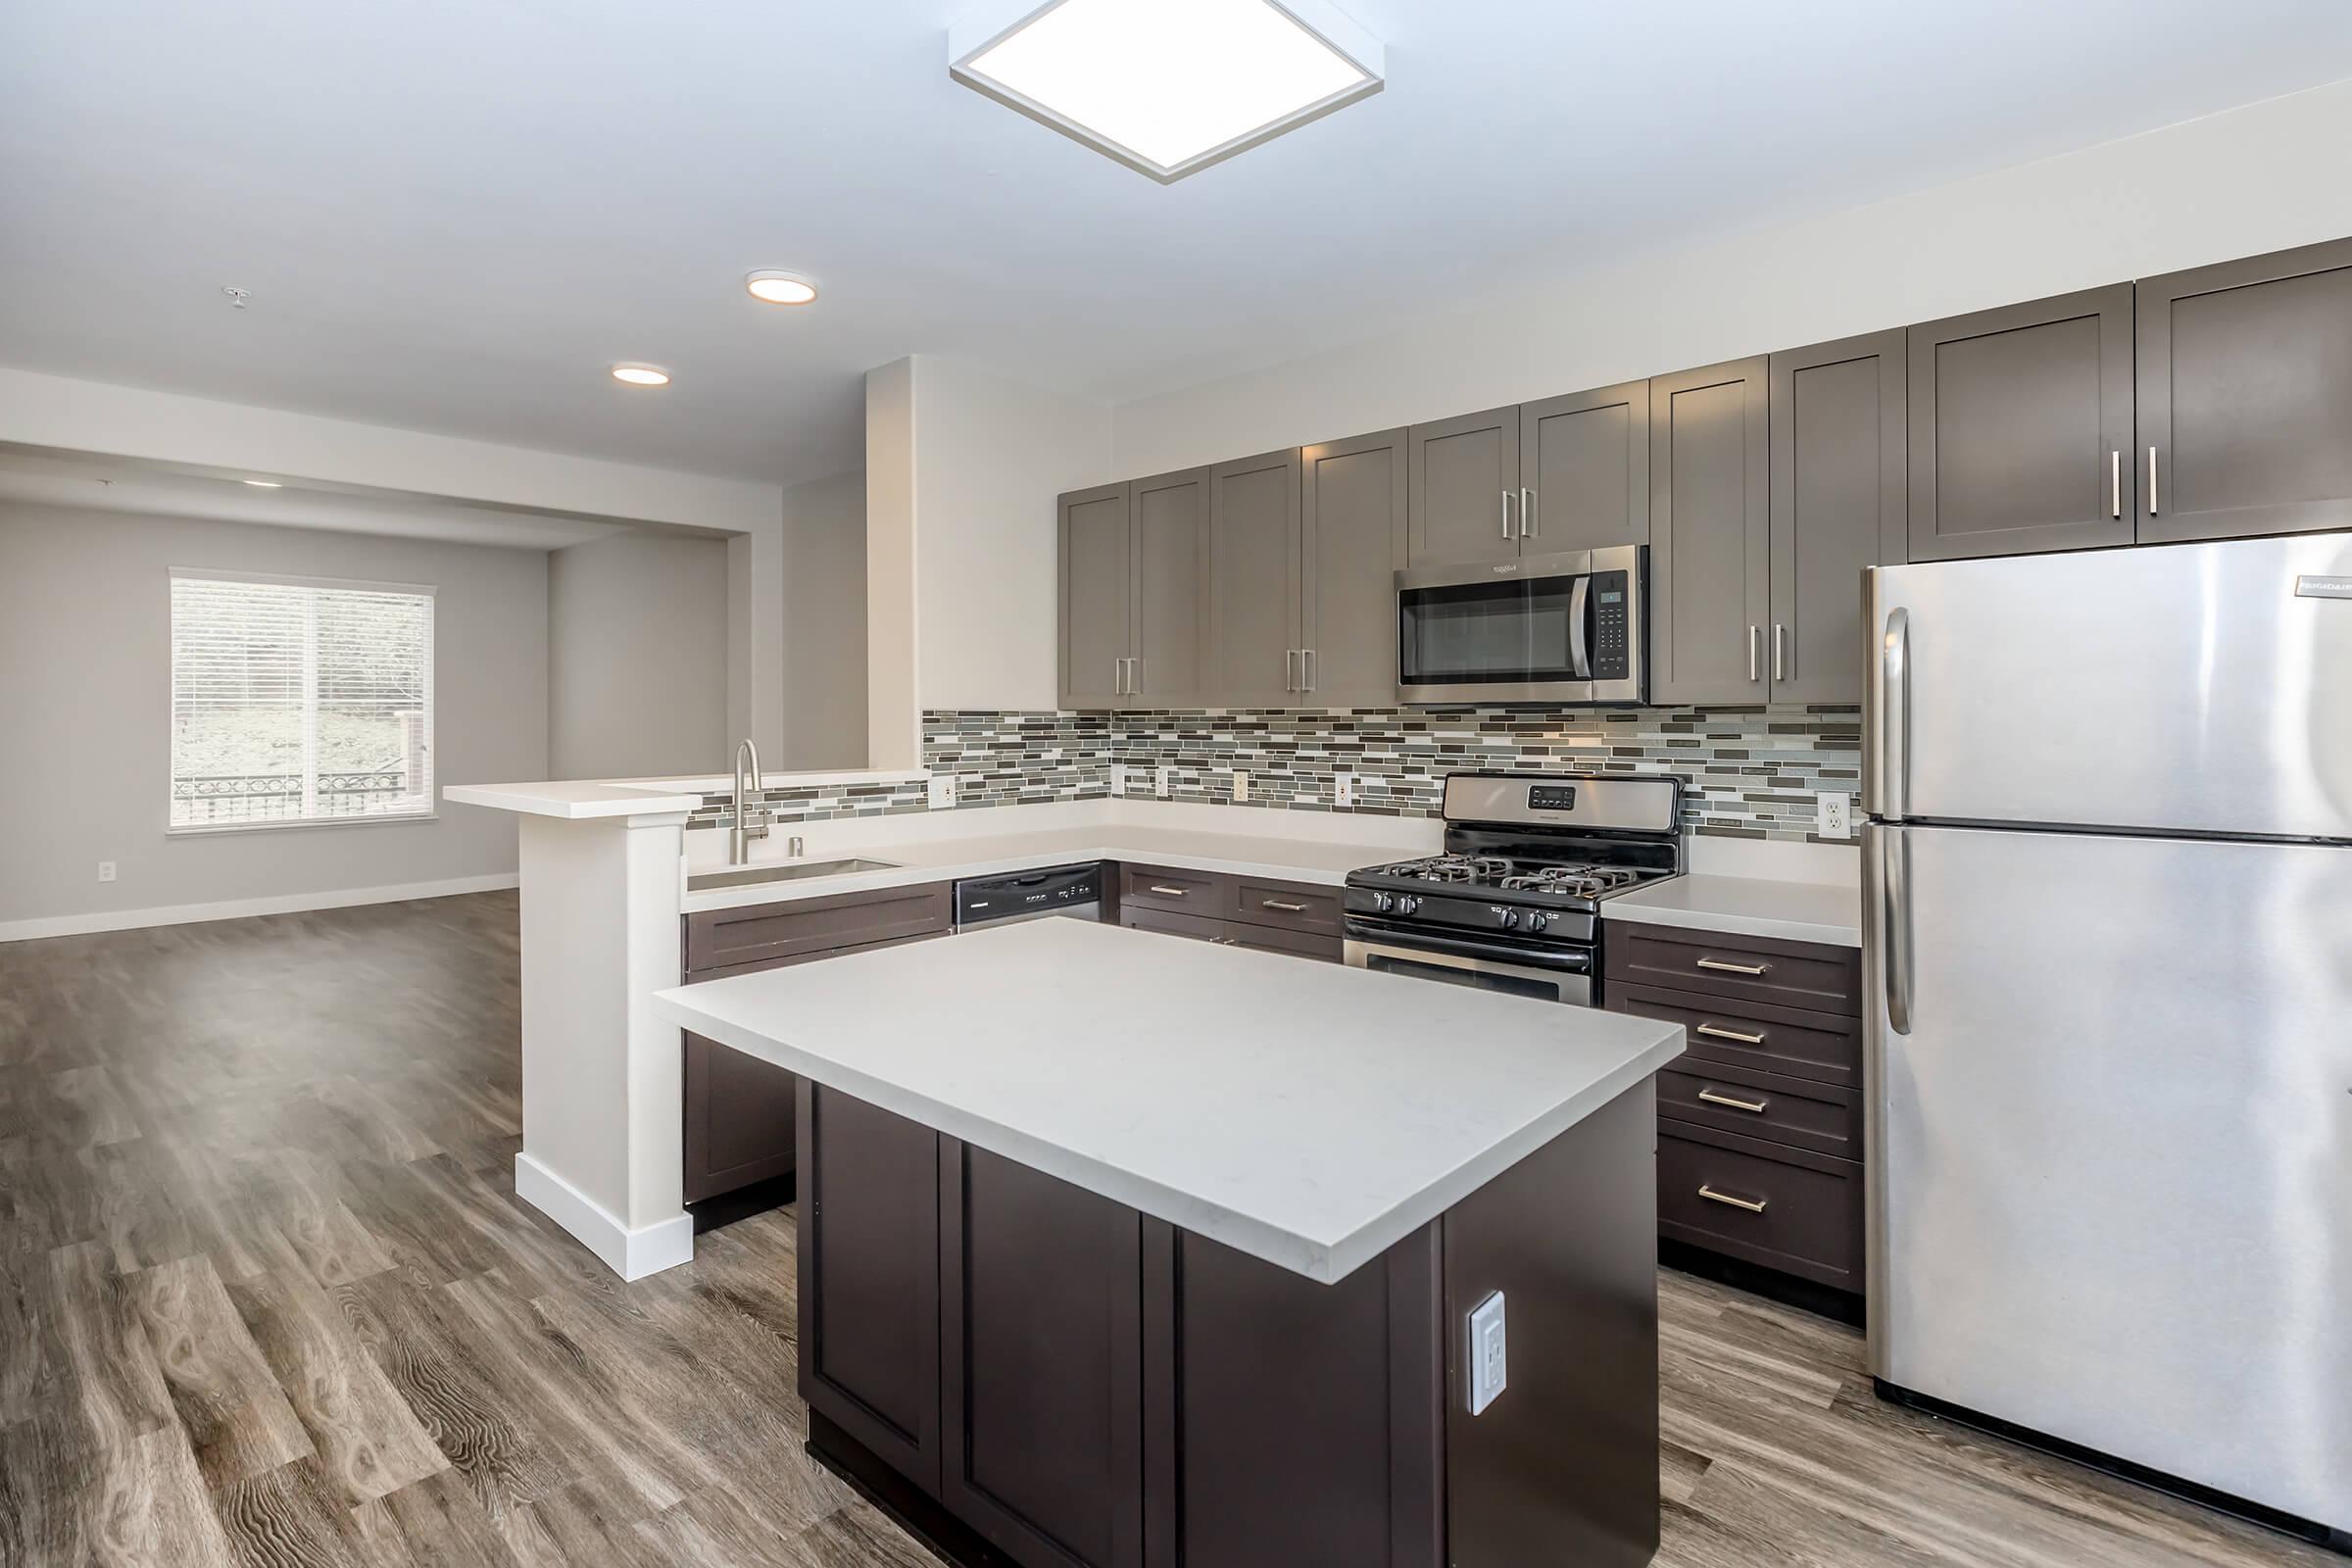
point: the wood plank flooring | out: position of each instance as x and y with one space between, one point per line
266 1297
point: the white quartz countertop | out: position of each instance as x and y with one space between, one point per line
1828 912
1308 1115
579 799
1291 860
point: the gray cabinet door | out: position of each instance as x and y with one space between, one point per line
1583 463
1709 534
2021 428
1353 527
1837 505
1464 478
1168 664
2245 397
1253 582
1096 580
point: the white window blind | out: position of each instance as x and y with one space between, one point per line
297 700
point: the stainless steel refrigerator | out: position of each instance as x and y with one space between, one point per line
2108 881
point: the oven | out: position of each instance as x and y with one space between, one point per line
1559 976
1559 628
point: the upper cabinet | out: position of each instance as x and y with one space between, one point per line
1584 470
1253 582
1710 535
1134 593
1837 500
2021 428
2245 397
1352 518
1464 478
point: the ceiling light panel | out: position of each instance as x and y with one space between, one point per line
1168 86
641 374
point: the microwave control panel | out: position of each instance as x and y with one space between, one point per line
1612 625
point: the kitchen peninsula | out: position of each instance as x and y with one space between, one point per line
1170 1251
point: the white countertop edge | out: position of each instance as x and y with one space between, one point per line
1739 916
573 803
1327 1261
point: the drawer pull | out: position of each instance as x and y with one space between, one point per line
1734 968
1173 892
1713 1099
1277 904
1713 1033
1754 1206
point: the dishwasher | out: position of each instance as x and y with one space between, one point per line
1064 890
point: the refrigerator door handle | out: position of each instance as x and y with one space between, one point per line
1894 875
1894 717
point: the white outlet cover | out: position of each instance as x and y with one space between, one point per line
1118 778
1165 782
1833 814
942 792
106 870
1240 784
1486 1359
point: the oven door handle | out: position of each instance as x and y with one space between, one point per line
1424 944
1580 652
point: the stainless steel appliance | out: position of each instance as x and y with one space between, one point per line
1560 628
1512 903
1070 889
2108 868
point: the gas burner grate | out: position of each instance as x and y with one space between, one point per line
1577 881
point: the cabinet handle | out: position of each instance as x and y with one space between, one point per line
1134 676
1755 1106
1173 892
1755 635
1277 904
1779 664
2115 483
1734 968
1290 669
1713 1033
1307 669
1506 514
1529 524
1754 1206
2152 482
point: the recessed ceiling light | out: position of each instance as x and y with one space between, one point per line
780 288
1167 87
641 374
264 484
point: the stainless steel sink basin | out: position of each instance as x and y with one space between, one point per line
737 876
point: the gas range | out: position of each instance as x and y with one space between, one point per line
1512 903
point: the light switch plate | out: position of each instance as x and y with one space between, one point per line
1343 790
1241 785
1485 1360
1834 811
1163 783
942 792
1118 778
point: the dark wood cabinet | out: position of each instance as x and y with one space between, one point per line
1837 505
1352 540
2245 397
2021 428
1584 466
1134 593
1297 920
1773 1205
1254 581
739 1119
1462 502
1710 534
1098 574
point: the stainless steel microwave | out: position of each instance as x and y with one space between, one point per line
1562 629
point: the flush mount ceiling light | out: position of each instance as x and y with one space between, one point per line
641 374
1167 87
780 288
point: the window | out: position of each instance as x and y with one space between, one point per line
298 700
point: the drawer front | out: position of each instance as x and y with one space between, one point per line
724 938
1152 887
1789 974
1816 1046
1799 1213
1205 927
1290 905
1331 949
1796 1111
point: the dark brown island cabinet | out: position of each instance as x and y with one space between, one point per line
1760 1130
1028 1372
1239 912
740 1110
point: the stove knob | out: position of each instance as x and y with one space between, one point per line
1509 918
1383 901
1537 920
1411 903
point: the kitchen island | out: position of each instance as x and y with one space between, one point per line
1118 1250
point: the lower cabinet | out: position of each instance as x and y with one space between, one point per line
1297 919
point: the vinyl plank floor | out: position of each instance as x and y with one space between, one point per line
266 1297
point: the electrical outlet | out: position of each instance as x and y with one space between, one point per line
1241 785
1486 1357
1163 782
1343 790
942 792
1835 813
106 870
1118 778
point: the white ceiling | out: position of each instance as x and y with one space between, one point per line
453 215
117 484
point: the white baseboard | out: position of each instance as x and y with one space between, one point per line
632 1254
74 925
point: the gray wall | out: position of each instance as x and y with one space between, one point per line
824 624
637 646
85 712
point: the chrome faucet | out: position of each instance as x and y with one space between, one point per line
739 841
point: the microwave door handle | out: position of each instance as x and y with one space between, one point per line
1580 605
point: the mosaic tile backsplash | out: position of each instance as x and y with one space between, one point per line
1753 773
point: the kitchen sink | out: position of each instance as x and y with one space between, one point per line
737 876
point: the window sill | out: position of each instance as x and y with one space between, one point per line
211 829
